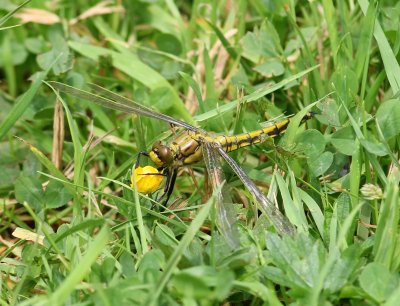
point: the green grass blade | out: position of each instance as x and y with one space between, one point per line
22 104
252 97
386 238
49 165
130 64
79 154
329 13
4 19
178 253
392 67
315 211
295 213
80 271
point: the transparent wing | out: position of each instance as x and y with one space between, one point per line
225 213
280 222
108 99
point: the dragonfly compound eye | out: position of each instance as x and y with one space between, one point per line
161 154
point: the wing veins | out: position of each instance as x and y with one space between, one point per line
280 222
111 100
226 215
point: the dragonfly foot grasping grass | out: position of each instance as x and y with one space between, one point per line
192 146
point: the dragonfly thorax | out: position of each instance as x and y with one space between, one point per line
161 154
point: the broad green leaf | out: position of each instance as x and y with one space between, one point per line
298 258
343 269
270 68
343 207
378 282
375 148
35 45
388 117
8 175
56 195
261 43
224 283
29 189
191 286
63 65
152 262
344 141
168 43
127 262
320 164
18 52
311 143
329 110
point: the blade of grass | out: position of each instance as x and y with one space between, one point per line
79 154
260 290
231 50
196 89
392 67
49 166
329 13
209 77
294 213
332 256
149 211
178 253
315 211
355 175
386 238
81 269
290 133
315 78
372 158
9 67
11 13
252 97
22 103
144 248
364 47
136 69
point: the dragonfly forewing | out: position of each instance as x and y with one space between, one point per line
108 99
226 216
280 222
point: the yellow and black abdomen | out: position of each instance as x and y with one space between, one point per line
232 143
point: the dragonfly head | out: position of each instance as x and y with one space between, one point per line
161 154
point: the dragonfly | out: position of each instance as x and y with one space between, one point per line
192 146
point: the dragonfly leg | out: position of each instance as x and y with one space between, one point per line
137 163
169 185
